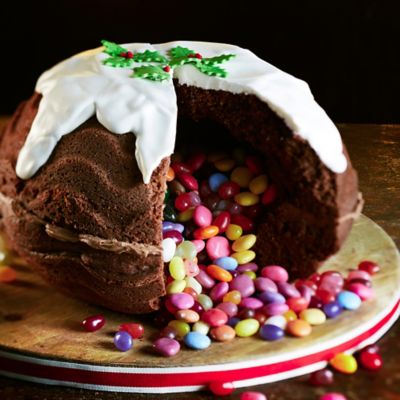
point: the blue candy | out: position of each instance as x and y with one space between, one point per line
332 310
271 332
171 226
228 263
197 341
271 297
349 300
233 321
216 180
123 341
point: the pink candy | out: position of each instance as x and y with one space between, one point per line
253 396
275 309
251 302
199 244
244 284
214 317
229 308
275 273
205 280
359 275
181 301
362 291
219 291
202 216
265 285
217 246
332 396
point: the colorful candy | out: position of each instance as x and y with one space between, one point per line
344 363
247 327
253 396
313 316
123 341
349 300
135 330
223 333
94 323
166 347
197 341
332 396
299 328
371 361
323 377
221 388
271 332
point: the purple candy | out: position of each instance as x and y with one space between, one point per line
247 267
265 285
182 301
251 302
123 341
167 347
275 309
233 321
204 279
271 332
168 226
219 291
230 309
271 297
288 290
244 284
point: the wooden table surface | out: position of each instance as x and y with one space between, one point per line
375 153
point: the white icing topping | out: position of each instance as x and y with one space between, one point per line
81 86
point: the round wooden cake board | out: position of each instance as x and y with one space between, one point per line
41 339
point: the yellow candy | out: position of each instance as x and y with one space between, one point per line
314 316
225 164
176 286
244 257
177 268
246 199
201 327
344 363
186 216
245 242
251 274
233 231
259 184
186 250
181 328
247 327
233 296
242 176
290 315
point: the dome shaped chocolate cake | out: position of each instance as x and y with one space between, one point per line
84 163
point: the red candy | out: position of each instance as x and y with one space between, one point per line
135 330
254 164
94 323
222 221
297 304
221 388
369 266
370 361
196 161
214 317
246 223
228 190
323 377
188 181
269 195
180 168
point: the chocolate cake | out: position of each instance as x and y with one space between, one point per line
86 213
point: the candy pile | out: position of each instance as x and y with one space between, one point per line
215 290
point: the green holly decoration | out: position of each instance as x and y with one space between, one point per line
151 72
178 56
150 56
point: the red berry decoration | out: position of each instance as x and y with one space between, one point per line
369 266
129 54
167 68
93 323
135 330
123 54
198 56
221 388
371 361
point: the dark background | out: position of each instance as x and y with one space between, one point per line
346 50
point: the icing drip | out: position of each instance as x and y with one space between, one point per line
81 86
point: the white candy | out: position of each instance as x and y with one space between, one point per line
201 327
277 320
169 248
191 282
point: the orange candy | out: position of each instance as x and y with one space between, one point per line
170 175
206 232
7 274
299 328
219 273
